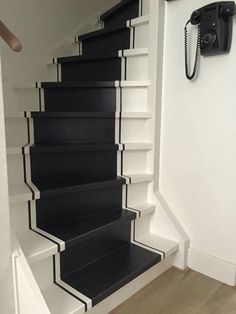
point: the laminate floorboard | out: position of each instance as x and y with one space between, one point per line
178 292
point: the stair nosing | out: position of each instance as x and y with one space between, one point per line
64 114
82 58
80 84
111 55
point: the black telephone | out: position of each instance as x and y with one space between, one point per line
214 31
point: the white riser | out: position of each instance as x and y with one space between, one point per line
137 68
16 131
28 99
15 168
142 226
134 99
19 216
141 36
145 7
137 193
139 166
134 131
43 272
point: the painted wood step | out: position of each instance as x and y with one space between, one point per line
100 198
49 189
137 178
84 128
167 246
106 41
100 279
103 32
70 148
38 149
61 302
142 209
113 233
19 192
80 229
73 165
89 96
52 114
90 84
78 84
35 246
124 10
82 58
100 70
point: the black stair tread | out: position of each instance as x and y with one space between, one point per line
111 55
73 231
65 114
103 277
101 32
114 9
54 148
81 84
48 189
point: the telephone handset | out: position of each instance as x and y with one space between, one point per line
215 26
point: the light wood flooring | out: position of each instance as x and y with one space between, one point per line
177 292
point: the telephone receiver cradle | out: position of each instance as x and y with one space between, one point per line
215 26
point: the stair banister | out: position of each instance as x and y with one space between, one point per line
11 40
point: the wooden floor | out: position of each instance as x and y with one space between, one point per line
176 292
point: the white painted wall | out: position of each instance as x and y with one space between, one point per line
6 288
198 154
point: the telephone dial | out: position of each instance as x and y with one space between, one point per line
215 25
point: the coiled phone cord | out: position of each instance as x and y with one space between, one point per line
191 76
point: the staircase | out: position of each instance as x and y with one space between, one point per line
86 168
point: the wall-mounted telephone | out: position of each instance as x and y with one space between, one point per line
215 25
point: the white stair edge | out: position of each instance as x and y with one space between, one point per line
121 53
139 20
134 52
162 244
124 115
19 192
138 146
141 210
146 209
35 246
137 178
11 151
132 83
135 115
61 302
27 85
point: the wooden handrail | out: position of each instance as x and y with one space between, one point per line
11 40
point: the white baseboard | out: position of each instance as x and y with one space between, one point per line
131 288
212 267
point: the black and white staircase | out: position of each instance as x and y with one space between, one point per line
86 167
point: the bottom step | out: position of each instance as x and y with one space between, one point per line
103 277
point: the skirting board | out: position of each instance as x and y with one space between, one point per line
131 288
212 267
